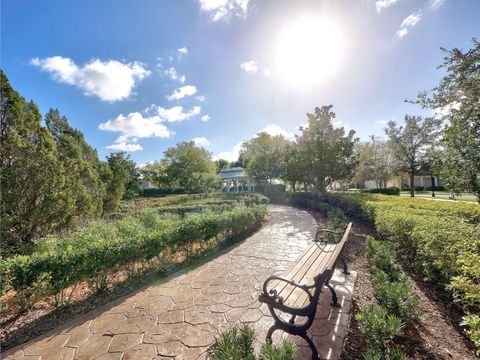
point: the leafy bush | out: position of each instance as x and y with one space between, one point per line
387 191
238 344
99 250
275 192
393 290
441 240
153 192
473 322
379 330
437 188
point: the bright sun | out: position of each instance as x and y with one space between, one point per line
308 50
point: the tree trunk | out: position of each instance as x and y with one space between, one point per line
433 185
412 184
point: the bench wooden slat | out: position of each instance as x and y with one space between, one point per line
303 264
297 265
307 272
315 260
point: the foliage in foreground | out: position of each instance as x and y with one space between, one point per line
380 329
237 344
440 240
52 179
95 253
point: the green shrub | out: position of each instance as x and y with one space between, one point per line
387 191
238 344
396 297
153 192
235 344
379 330
96 252
440 240
473 331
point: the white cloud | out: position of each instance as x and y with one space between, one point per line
381 122
180 93
250 67
410 21
124 146
383 4
231 155
176 113
201 141
267 72
435 4
224 9
109 80
200 98
275 130
183 50
135 126
172 74
205 118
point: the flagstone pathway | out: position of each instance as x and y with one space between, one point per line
180 317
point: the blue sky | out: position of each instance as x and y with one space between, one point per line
144 75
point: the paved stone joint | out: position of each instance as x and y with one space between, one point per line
180 318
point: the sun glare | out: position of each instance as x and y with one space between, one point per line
308 51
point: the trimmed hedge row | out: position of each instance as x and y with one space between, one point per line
441 240
387 191
94 253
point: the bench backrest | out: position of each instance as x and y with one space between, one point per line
339 247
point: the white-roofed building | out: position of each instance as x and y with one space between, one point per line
236 179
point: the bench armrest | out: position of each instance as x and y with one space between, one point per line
271 298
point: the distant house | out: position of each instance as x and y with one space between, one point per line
422 181
146 184
236 179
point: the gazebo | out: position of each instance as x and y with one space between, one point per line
236 179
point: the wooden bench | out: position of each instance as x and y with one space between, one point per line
292 298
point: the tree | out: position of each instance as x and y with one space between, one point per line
221 164
457 100
327 151
86 177
295 167
32 199
191 168
156 173
410 143
375 162
124 182
264 156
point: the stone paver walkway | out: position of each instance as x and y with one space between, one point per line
180 318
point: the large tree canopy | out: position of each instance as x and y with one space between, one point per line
190 167
411 143
327 151
457 100
375 161
264 156
51 178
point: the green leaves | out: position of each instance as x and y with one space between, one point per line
326 151
238 344
379 330
440 240
94 253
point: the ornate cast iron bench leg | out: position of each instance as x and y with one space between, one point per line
303 335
